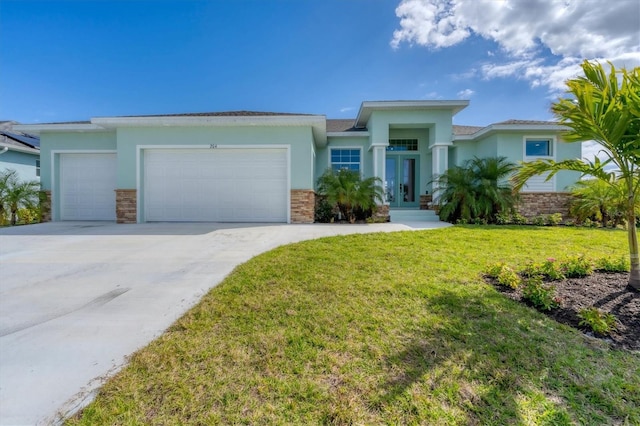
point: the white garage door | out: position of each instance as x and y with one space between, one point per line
87 186
216 185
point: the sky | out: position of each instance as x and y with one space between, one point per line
76 59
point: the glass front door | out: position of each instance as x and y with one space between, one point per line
401 181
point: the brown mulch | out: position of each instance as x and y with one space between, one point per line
607 292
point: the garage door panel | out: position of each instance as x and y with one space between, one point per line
87 186
224 185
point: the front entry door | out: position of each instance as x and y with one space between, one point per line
402 181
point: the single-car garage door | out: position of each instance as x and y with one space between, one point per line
87 186
216 185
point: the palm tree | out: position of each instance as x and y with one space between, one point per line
16 194
594 198
352 194
607 111
477 189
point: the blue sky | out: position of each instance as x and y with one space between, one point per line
73 60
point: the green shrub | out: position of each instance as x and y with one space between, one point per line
554 219
503 218
518 219
324 211
539 220
509 278
539 295
607 264
493 270
29 215
576 267
549 269
599 322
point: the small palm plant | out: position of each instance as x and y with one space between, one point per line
479 189
600 200
16 194
350 192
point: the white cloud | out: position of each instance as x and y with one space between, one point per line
572 30
465 94
346 109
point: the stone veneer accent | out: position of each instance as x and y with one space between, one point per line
45 206
538 203
303 202
425 200
382 212
126 206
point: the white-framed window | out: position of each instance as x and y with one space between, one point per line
538 147
402 145
346 158
38 168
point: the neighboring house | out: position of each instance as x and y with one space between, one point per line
19 151
262 167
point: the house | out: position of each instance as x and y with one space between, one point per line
19 152
245 166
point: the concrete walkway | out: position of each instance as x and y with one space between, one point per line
77 297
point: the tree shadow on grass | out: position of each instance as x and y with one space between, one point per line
484 364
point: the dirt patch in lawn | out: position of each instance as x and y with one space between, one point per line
605 291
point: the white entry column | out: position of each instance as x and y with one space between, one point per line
440 159
379 164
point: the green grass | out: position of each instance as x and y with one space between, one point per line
380 329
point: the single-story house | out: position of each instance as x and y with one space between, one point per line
245 166
19 151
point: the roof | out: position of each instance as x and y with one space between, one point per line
526 122
342 125
17 141
240 113
465 130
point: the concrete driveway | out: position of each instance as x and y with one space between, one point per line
77 297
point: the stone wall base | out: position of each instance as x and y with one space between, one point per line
45 206
426 202
303 202
126 206
534 204
382 212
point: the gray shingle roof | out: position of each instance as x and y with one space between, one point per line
526 122
342 125
465 130
222 114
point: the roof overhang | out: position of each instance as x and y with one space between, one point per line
495 128
16 148
101 124
367 107
36 129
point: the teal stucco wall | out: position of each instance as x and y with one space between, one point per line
23 163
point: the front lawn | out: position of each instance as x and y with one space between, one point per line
393 328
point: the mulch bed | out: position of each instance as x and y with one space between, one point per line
607 292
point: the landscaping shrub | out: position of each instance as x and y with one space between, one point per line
508 278
549 269
28 215
607 264
324 211
476 191
354 196
597 321
539 295
576 267
554 219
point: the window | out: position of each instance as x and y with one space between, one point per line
403 145
38 168
345 158
538 148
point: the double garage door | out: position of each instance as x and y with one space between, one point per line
218 185
182 185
